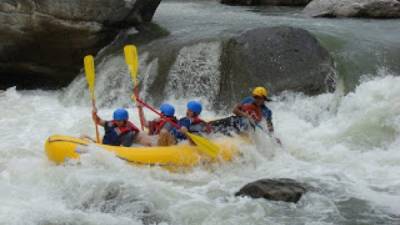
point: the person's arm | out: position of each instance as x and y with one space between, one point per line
267 115
238 112
141 115
184 124
97 119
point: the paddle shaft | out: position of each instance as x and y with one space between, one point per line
140 111
95 124
263 130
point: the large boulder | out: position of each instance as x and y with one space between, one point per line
43 42
280 58
286 190
267 2
220 70
354 8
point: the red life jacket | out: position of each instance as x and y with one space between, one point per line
196 120
155 126
122 130
253 110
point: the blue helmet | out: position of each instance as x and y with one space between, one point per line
120 114
167 109
195 107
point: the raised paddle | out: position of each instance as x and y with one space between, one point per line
90 77
131 59
203 144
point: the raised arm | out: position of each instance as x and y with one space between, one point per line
97 119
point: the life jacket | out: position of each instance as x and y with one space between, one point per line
114 133
199 125
253 110
155 126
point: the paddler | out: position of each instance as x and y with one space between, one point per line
192 122
164 126
120 131
253 109
249 113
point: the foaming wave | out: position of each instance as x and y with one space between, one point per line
326 143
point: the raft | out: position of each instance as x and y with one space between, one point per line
60 149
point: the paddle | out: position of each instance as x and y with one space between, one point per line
90 77
131 59
263 130
203 144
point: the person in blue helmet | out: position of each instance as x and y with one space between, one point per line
119 131
192 122
164 126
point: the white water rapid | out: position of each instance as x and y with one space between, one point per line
344 144
346 147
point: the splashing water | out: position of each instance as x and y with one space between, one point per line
346 147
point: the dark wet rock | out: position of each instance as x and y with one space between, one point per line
42 43
222 70
354 8
266 2
280 58
286 190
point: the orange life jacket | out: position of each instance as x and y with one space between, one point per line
253 110
155 126
124 129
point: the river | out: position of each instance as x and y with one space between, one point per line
344 144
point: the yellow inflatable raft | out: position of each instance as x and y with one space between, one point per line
61 148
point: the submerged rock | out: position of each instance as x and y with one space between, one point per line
354 8
286 190
43 42
266 2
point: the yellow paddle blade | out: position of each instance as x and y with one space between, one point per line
204 145
131 59
90 73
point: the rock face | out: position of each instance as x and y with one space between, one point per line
222 70
267 2
286 190
280 58
48 38
354 8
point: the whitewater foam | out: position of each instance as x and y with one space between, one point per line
346 147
